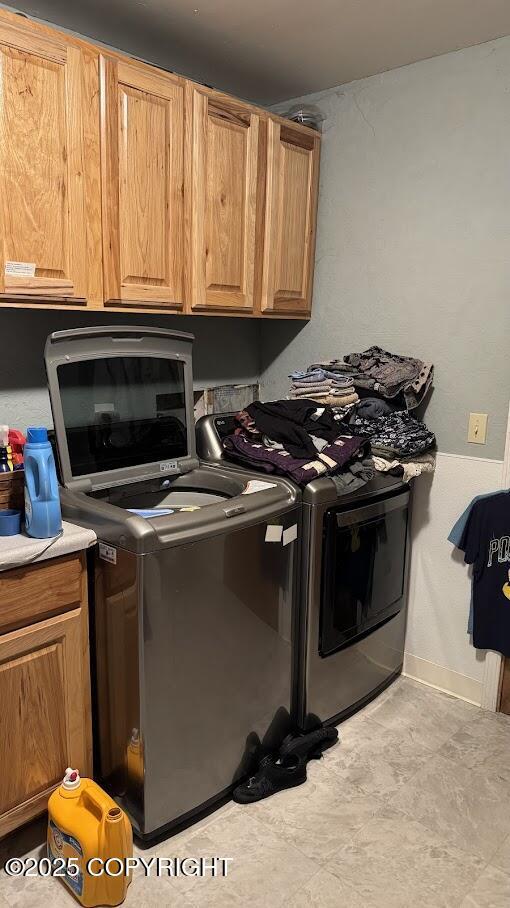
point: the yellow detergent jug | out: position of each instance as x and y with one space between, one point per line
87 826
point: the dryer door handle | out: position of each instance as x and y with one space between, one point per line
378 509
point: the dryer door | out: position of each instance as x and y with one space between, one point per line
363 570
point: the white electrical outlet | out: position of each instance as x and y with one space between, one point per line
477 429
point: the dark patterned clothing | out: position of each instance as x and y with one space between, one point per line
390 374
396 436
330 460
291 422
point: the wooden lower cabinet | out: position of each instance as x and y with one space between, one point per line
45 722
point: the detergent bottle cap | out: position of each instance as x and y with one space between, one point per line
37 434
71 779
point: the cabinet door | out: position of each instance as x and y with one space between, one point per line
223 202
142 137
44 719
43 215
292 172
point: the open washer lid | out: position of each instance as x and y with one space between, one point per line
122 403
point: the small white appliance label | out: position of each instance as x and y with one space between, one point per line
108 553
274 532
170 466
257 485
290 534
20 269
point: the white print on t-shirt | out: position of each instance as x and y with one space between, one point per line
502 547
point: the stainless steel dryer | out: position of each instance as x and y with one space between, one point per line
354 558
193 610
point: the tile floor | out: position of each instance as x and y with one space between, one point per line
412 808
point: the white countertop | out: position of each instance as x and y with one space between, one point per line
16 551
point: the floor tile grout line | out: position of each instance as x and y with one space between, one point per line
358 830
297 847
434 832
382 728
475 881
494 853
423 821
348 883
284 841
294 892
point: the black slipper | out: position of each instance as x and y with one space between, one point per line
311 745
275 774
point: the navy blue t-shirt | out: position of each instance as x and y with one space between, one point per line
486 545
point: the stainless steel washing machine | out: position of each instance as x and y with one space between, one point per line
354 558
193 600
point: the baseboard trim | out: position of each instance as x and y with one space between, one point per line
443 679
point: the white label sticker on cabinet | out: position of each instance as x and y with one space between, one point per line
20 269
274 532
108 553
290 534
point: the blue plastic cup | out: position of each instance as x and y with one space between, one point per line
10 522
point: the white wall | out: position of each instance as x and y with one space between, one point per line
438 648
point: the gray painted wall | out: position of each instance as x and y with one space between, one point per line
413 236
225 351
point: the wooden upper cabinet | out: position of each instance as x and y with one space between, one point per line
292 171
124 186
142 141
223 202
43 210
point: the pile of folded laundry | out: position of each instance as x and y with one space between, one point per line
399 444
345 419
324 386
295 438
402 380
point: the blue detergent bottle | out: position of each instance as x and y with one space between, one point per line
42 502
